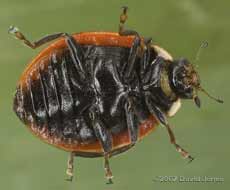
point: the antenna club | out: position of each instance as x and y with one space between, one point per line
203 45
220 101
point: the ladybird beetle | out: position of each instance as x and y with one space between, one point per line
95 94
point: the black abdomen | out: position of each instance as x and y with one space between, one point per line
54 98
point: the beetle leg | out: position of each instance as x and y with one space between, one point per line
14 30
123 32
161 117
103 135
150 78
123 18
132 128
70 166
145 62
129 66
105 138
179 149
127 32
108 172
76 54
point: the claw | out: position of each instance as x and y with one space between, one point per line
12 30
190 159
125 8
70 179
110 181
109 178
184 153
69 172
18 35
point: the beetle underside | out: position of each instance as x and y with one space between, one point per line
49 118
97 93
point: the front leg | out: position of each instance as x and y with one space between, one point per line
162 119
129 67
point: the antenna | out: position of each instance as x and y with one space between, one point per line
205 92
202 46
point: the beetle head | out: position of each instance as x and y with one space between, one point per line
185 81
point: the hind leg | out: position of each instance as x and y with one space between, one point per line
105 138
70 167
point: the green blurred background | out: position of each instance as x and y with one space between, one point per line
179 26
